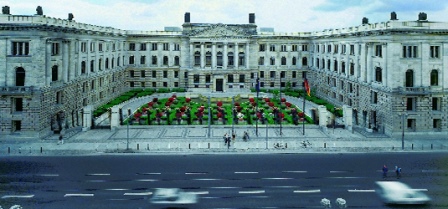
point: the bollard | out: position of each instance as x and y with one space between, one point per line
9 150
189 146
431 146
147 146
412 147
209 145
41 150
325 145
138 146
286 145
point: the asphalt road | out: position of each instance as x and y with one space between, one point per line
221 181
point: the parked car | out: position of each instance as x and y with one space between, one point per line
173 197
394 192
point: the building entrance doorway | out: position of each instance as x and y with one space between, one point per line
219 84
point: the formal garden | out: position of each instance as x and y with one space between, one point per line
177 110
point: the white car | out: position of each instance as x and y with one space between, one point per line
394 192
172 197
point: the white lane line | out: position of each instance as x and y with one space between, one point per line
137 193
207 179
117 189
150 180
78 195
295 171
17 196
149 173
420 190
252 192
48 175
195 173
339 172
98 174
276 178
225 187
307 191
361 190
199 193
245 172
346 177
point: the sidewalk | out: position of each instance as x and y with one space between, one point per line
199 139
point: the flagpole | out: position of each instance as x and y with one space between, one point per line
257 88
304 115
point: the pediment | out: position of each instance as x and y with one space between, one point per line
220 30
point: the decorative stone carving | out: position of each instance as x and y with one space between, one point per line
365 20
220 30
39 10
422 16
5 10
393 16
70 16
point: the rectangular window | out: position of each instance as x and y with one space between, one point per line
242 78
294 74
131 60
436 103
83 46
142 74
166 46
143 47
176 47
195 78
379 50
154 46
336 49
409 51
272 74
282 74
92 46
262 47
352 49
207 78
18 104
283 48
176 74
165 84
304 47
142 60
154 74
20 48
261 61
410 104
165 74
272 48
230 78
261 74
329 48
434 51
374 97
154 84
54 49
154 60
294 47
59 97
100 47
344 49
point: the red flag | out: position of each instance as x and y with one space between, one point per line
307 87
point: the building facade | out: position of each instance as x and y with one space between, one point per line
391 73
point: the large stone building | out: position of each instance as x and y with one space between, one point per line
389 73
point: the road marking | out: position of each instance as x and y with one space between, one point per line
346 177
147 180
307 191
78 195
420 190
98 174
199 193
245 172
149 173
18 196
224 187
118 189
252 192
48 175
361 190
295 171
207 179
277 178
340 172
137 193
195 173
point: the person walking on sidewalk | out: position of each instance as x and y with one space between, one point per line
398 172
385 170
61 139
246 136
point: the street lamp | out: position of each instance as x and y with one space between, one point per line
403 115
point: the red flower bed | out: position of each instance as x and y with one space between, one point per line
283 99
188 100
219 104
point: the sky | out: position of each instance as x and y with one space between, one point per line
282 15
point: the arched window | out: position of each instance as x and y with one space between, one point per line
378 74
112 62
107 63
54 73
20 76
317 63
323 64
409 78
343 67
294 61
305 61
208 59
219 59
335 67
165 60
230 59
92 65
272 61
83 67
283 61
241 59
100 62
434 78
197 58
328 63
176 61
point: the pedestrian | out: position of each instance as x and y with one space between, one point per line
228 141
385 170
233 136
61 140
225 138
398 172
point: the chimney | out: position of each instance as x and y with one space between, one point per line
393 16
251 18
365 20
187 17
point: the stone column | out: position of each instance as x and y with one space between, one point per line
235 57
224 56
65 60
191 55
88 58
213 55
202 55
47 62
247 55
87 118
384 67
369 66
348 117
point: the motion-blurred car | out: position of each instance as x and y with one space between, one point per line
173 197
394 192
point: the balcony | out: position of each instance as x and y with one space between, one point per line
17 90
414 90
